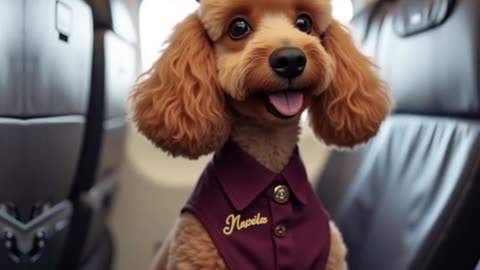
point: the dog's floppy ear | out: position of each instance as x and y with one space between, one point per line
352 108
178 103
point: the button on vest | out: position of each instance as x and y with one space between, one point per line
281 194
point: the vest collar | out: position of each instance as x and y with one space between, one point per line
243 178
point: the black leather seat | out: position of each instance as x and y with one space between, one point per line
410 198
44 91
114 72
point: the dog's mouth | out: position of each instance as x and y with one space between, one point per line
285 104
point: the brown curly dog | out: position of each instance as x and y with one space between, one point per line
244 71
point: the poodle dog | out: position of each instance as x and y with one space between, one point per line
234 80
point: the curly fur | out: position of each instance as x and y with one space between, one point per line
204 88
178 104
353 107
270 147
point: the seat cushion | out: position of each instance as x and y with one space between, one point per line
44 102
415 179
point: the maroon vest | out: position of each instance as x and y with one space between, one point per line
259 219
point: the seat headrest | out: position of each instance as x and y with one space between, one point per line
428 53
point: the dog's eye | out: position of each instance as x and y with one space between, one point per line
239 28
304 23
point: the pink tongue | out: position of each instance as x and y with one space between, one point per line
288 103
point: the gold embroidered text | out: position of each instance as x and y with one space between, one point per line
234 222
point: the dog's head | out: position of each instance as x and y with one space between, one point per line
268 60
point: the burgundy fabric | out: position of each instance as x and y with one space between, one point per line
234 183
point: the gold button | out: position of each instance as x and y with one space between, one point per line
281 194
280 230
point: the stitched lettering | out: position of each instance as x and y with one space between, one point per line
235 222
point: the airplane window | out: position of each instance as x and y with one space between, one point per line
342 10
157 18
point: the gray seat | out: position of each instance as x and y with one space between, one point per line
410 198
44 91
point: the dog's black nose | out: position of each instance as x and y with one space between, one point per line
288 62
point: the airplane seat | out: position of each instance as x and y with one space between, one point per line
44 87
412 196
114 72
